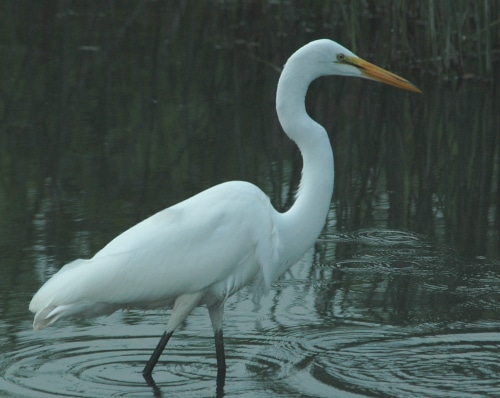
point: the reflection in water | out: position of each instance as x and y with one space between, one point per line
117 113
399 318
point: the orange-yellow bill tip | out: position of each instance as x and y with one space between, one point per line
374 72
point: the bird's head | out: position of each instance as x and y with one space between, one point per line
325 57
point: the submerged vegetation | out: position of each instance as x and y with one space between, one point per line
117 109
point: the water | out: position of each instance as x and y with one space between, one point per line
110 114
396 317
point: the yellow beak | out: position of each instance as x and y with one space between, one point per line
376 73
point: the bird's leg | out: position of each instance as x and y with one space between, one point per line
182 307
221 363
146 373
219 351
216 312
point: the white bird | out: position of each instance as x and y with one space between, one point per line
204 249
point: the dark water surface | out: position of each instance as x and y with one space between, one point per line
109 114
396 317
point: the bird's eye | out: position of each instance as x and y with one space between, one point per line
340 57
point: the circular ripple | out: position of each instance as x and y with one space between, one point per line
441 365
377 237
99 361
356 359
286 349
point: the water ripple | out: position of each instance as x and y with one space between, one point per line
442 365
376 237
391 320
346 359
100 361
399 362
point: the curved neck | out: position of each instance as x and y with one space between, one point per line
300 226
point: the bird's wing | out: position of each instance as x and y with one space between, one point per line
223 235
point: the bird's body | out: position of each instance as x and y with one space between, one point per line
186 248
206 248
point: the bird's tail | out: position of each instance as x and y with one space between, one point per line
49 315
45 317
62 296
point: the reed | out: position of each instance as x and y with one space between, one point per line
152 95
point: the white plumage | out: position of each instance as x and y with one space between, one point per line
186 248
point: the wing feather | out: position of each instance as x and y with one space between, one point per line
221 238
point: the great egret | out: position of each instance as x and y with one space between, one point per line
204 249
